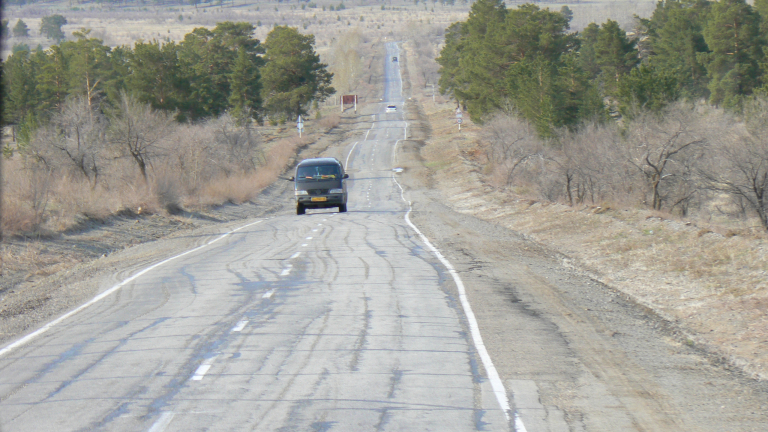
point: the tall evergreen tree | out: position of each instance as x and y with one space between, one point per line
293 76
733 35
245 88
587 59
52 82
677 39
451 80
480 65
50 26
615 54
88 65
646 88
154 74
207 58
20 29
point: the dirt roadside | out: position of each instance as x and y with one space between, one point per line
593 357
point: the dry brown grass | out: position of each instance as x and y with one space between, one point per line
199 171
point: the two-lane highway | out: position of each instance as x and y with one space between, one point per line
320 322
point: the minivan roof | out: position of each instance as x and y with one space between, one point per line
320 161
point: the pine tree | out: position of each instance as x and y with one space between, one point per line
154 74
50 26
587 59
480 69
88 65
293 76
52 83
615 54
245 88
20 29
206 60
677 39
450 80
646 88
732 34
19 94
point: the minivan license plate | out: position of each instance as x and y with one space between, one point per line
319 199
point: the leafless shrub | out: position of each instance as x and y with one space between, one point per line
665 148
738 164
590 165
74 139
238 144
329 121
511 143
139 132
169 192
345 61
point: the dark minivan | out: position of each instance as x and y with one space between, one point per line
320 183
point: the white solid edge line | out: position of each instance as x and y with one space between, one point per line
50 325
162 422
493 376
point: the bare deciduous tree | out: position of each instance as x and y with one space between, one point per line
589 161
511 143
661 148
139 132
738 166
346 62
239 144
75 137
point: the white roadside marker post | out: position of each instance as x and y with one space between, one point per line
459 115
300 125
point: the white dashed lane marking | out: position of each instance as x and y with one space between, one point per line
286 271
200 372
296 255
240 325
268 294
162 422
203 369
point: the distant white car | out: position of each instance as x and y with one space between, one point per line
391 108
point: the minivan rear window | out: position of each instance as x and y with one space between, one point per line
318 172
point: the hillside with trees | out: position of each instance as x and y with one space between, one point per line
670 116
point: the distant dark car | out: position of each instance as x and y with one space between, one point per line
320 183
394 59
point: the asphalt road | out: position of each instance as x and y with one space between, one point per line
327 321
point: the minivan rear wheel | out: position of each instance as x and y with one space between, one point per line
300 210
